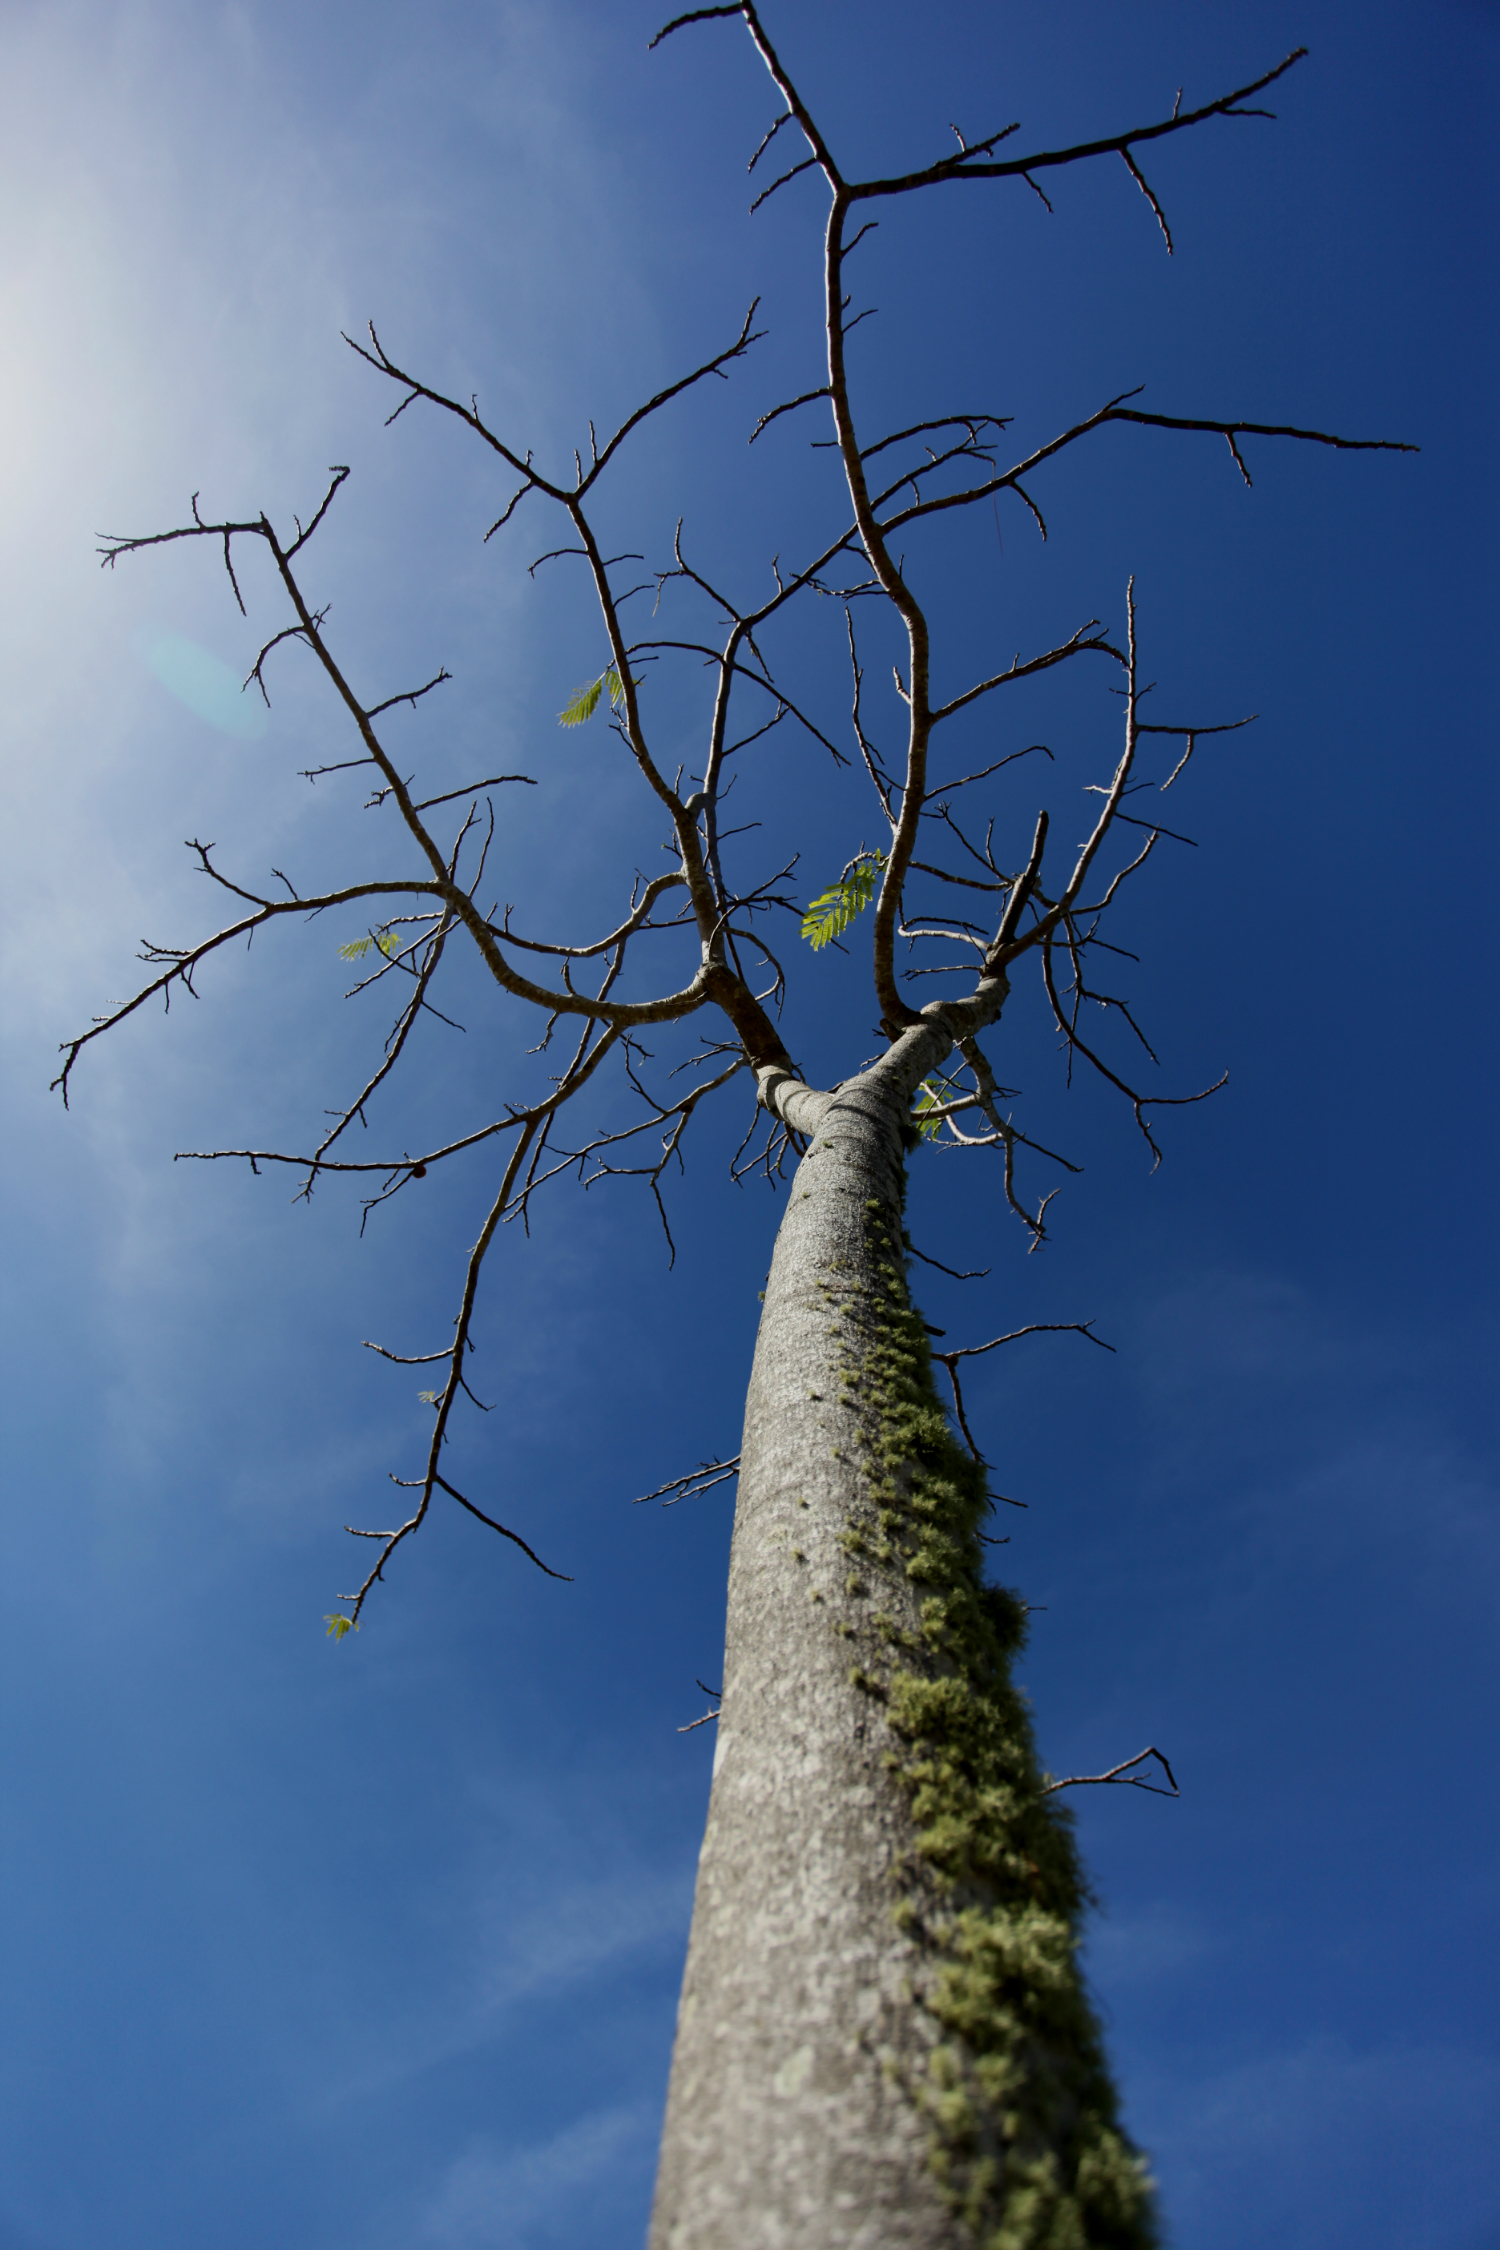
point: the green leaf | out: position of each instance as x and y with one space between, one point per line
831 912
357 948
586 702
338 1625
429 1398
930 1095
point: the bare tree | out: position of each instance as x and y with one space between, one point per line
884 2036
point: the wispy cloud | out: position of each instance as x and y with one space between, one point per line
585 1930
1155 1942
528 1935
1327 2147
516 2198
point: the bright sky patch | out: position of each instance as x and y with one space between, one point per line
210 689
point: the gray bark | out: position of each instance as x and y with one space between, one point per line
788 2120
883 2041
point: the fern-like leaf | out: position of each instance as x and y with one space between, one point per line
338 1625
358 947
930 1096
586 702
831 912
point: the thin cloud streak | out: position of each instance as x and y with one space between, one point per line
510 2200
1325 2146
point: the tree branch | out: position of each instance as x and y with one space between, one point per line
1122 1776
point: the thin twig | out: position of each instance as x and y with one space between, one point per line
1122 1777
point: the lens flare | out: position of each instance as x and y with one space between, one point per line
210 689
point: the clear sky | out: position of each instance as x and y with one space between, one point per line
381 1941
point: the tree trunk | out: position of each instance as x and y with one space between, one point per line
882 2043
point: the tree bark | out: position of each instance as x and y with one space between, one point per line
882 2043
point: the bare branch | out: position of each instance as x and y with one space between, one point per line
1122 1776
767 137
1032 1328
714 366
637 920
723 914
472 788
703 1722
1145 187
970 422
183 962
454 1494
1115 411
746 672
1086 639
1140 1103
413 1167
338 475
787 406
1016 905
1118 144
702 1479
951 1359
808 164
694 15
966 780
980 1273
413 696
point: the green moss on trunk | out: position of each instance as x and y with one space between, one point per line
1026 2140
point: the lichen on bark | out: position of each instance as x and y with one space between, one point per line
1026 2141
885 2042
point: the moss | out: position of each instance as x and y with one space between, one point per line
1026 2142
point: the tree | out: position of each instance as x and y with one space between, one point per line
884 2033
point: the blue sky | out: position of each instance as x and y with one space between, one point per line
383 1939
